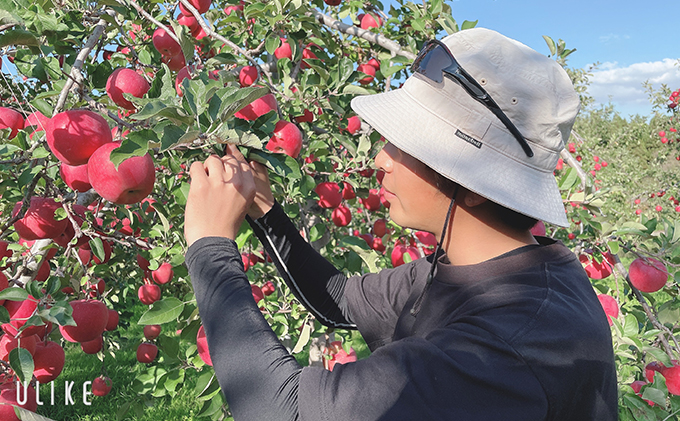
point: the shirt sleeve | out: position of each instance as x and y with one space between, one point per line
314 281
370 303
258 377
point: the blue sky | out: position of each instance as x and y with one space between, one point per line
632 41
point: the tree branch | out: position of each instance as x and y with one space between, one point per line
76 74
369 36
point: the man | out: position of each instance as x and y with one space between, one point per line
497 324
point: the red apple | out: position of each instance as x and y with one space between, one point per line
332 2
268 288
8 343
347 191
372 202
146 352
38 120
4 283
19 312
130 183
341 216
598 270
149 293
307 54
672 376
284 50
329 194
652 368
8 398
338 355
91 317
151 332
257 108
247 76
74 135
380 227
287 139
189 21
538 229
201 5
75 177
369 70
202 345
610 306
163 274
375 63
101 386
39 222
176 62
124 80
353 124
165 44
93 346
257 293
11 119
369 21
184 73
112 322
234 8
397 255
86 255
648 275
49 359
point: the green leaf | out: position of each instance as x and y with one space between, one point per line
355 90
551 44
304 338
97 248
163 311
21 362
171 137
233 99
468 24
158 108
4 315
26 415
134 144
448 23
18 37
568 180
655 395
13 294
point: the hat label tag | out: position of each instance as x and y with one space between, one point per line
469 139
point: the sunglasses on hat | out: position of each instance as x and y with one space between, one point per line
435 61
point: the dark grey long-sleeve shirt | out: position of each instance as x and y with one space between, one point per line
518 337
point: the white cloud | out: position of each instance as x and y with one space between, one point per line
605 39
623 85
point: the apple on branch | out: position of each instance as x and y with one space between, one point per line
74 135
11 119
130 183
287 138
124 80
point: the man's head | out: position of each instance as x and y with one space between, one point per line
441 123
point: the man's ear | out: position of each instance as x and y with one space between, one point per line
472 199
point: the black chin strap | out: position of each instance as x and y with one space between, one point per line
416 306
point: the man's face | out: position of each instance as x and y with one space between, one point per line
410 187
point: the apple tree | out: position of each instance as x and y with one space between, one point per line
105 104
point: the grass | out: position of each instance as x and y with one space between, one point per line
123 369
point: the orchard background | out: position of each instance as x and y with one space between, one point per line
118 249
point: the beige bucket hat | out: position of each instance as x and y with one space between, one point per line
443 126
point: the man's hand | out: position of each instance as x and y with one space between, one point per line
222 191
